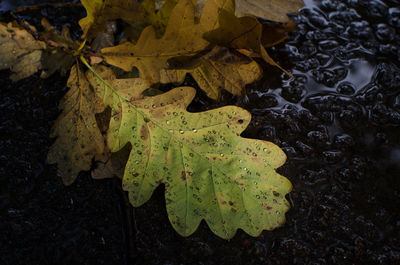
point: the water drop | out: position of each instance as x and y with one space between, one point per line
194 130
245 168
168 122
221 154
181 131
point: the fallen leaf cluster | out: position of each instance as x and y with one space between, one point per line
209 171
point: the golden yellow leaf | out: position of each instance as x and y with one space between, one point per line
182 38
275 10
78 136
219 69
20 51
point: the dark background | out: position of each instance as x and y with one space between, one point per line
338 120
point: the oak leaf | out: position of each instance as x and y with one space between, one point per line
209 171
182 37
20 51
78 136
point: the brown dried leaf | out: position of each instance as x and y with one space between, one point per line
244 34
20 52
219 69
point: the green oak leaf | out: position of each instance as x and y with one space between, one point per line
210 172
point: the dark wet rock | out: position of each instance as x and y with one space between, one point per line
345 88
343 141
345 17
388 77
360 30
394 17
384 33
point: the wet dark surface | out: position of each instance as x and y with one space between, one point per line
338 120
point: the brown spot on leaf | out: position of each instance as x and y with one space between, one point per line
183 175
144 134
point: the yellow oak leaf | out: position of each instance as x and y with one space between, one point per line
182 37
78 136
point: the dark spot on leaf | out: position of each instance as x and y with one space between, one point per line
144 134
